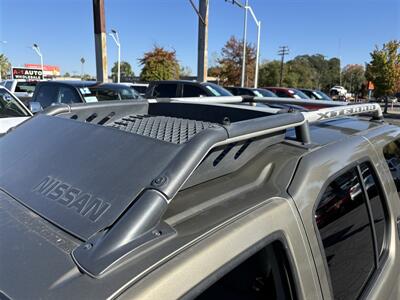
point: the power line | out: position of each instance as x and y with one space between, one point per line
283 50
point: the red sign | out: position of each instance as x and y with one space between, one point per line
45 67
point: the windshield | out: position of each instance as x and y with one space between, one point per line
94 94
298 94
265 93
10 107
27 87
216 90
323 96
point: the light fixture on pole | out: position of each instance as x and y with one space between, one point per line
247 8
114 35
36 48
2 42
82 63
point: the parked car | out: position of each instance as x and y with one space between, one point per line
242 91
256 92
287 92
184 88
199 201
316 94
140 88
22 89
52 92
338 93
12 113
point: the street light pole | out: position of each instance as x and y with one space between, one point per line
36 48
244 44
115 36
258 23
257 54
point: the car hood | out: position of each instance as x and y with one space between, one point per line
34 256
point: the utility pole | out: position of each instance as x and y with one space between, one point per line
202 43
283 50
100 38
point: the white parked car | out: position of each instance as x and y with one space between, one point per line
23 89
12 111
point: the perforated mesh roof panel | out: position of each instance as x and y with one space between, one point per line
168 129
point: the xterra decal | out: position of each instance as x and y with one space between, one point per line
63 193
345 111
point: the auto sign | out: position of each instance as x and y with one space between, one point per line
27 73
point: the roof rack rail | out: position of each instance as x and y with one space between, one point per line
308 103
206 127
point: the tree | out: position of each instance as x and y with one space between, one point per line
4 65
230 63
126 70
67 74
353 76
159 64
269 73
87 77
185 71
384 68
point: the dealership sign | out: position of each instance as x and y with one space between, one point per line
27 73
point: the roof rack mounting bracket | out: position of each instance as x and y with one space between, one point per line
138 227
303 133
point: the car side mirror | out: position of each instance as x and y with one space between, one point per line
35 107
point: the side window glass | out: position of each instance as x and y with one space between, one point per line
193 91
47 95
392 155
165 91
67 95
265 275
376 201
344 226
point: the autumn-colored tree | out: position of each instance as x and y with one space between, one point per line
159 64
384 68
230 63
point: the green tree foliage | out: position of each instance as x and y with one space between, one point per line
159 64
304 71
269 73
230 63
353 77
4 65
384 68
185 71
87 77
67 74
126 70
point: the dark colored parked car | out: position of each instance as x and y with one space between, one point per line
52 92
184 89
242 91
287 92
316 95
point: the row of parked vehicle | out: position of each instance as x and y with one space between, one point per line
168 199
43 94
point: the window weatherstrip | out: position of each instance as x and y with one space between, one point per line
370 215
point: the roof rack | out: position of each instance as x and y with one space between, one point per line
205 128
307 103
